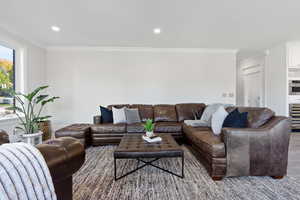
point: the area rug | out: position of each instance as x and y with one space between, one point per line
95 181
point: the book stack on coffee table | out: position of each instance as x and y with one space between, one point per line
152 139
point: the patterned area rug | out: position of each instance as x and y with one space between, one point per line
95 181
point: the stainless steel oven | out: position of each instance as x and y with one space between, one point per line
294 87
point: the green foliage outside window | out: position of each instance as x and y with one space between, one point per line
6 74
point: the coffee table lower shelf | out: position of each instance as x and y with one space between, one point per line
150 163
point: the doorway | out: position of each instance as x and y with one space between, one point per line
253 89
252 78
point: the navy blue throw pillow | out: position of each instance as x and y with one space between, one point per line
235 119
106 115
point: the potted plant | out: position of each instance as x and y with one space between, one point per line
149 127
28 109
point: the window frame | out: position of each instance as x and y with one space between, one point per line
14 76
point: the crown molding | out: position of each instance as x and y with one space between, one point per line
13 37
140 49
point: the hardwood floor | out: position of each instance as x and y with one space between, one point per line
294 155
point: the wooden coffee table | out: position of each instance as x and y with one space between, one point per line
132 146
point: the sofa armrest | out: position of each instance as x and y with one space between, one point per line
3 137
258 151
97 119
64 156
283 125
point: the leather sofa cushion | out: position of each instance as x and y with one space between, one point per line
108 128
165 113
188 129
64 156
175 134
256 116
145 111
208 143
185 111
205 140
168 127
3 137
103 136
78 131
135 128
107 139
201 128
117 106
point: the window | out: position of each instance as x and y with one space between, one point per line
7 77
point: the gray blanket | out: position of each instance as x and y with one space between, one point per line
24 174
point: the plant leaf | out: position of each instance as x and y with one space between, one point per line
20 128
40 119
37 90
15 108
49 100
40 98
149 126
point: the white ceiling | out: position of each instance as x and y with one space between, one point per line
251 24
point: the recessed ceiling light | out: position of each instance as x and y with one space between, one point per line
55 28
156 31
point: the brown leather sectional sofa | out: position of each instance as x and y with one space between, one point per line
164 116
64 157
261 149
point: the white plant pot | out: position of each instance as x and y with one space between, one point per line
149 133
33 139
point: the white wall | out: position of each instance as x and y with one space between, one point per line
36 67
30 67
276 84
88 77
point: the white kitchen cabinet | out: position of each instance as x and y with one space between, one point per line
294 54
